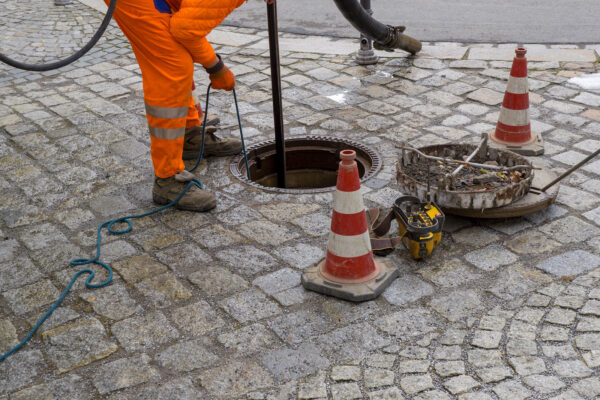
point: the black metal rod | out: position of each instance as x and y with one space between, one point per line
570 170
280 165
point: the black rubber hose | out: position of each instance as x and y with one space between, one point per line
71 58
386 37
361 20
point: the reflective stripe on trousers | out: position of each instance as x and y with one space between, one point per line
166 116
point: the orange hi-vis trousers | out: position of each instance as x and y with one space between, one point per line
167 74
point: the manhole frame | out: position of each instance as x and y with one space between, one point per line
239 173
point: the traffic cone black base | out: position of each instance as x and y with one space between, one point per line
313 279
535 148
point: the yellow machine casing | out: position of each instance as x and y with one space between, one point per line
420 225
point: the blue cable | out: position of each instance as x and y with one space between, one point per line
237 110
110 227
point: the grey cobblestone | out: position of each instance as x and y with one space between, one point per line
460 384
31 297
140 332
163 290
79 344
124 373
278 281
286 364
250 305
511 390
187 356
570 263
572 369
491 257
345 373
196 319
386 394
20 370
313 387
73 387
235 379
457 305
348 391
502 310
413 366
215 281
412 384
486 339
407 290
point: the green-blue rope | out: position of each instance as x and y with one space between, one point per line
109 225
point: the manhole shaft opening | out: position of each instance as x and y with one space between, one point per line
312 164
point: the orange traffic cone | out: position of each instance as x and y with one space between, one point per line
513 131
349 270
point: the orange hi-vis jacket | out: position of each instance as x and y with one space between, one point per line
167 37
194 19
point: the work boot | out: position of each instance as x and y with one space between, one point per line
212 120
213 145
166 190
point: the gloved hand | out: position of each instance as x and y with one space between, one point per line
220 76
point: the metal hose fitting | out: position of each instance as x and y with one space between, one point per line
385 37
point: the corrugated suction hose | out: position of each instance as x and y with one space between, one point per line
385 37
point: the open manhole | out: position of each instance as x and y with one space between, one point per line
312 164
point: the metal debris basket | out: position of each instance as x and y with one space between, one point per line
446 197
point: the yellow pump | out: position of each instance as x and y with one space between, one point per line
419 225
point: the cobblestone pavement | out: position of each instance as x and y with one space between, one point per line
38 31
209 306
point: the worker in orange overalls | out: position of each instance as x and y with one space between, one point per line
168 37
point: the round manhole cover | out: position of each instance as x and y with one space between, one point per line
312 164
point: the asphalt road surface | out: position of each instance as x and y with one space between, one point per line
506 21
